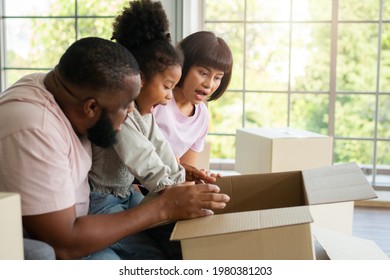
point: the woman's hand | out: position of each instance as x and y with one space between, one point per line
199 176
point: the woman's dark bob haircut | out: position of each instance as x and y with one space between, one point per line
204 48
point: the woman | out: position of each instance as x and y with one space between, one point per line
206 74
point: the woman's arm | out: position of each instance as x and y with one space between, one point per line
190 158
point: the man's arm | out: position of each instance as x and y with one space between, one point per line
74 238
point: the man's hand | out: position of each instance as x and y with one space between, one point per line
192 201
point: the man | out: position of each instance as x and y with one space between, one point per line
47 122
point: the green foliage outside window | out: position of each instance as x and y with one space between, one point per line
283 72
50 35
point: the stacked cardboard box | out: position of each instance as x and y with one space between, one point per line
11 234
203 160
264 150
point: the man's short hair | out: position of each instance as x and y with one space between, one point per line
97 64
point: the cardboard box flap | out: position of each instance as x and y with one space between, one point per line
336 183
239 222
340 246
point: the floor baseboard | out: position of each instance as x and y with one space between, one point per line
383 200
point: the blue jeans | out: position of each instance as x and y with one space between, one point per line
151 244
37 250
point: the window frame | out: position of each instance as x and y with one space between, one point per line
187 17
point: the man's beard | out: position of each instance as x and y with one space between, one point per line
103 133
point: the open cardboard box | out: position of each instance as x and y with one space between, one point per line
333 245
268 216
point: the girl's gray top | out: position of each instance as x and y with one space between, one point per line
141 152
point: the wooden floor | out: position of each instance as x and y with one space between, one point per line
373 223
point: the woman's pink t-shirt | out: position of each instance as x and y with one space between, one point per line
182 132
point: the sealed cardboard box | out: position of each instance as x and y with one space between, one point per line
264 150
11 234
203 160
268 216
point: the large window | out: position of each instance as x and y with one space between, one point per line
317 65
34 34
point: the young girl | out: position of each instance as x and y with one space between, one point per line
141 152
205 76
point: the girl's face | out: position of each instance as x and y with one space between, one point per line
158 90
200 83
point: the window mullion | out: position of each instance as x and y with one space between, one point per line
378 71
333 65
244 67
2 47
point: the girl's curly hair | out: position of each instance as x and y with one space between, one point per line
143 28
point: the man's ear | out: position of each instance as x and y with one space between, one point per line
91 108
142 79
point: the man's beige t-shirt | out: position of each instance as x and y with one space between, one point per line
41 156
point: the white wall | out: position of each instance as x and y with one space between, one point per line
193 16
185 17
